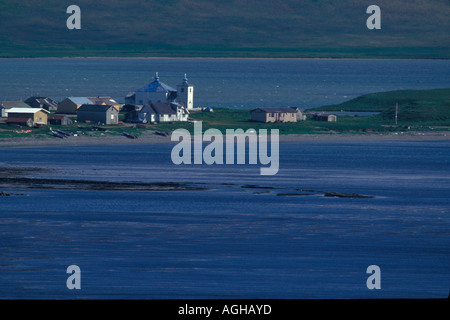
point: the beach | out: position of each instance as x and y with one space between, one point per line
150 138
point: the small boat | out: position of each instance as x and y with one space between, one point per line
57 134
65 133
129 135
161 133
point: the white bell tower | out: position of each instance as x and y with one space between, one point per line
185 93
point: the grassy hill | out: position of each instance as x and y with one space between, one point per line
420 110
264 28
414 106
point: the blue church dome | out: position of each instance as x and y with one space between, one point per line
156 86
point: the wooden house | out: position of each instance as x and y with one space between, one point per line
104 114
70 105
59 119
140 114
283 114
28 116
169 112
42 102
324 117
105 101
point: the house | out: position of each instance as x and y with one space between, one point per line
140 114
105 101
169 112
283 114
105 114
59 119
6 105
158 91
158 112
126 108
70 105
42 102
28 116
324 117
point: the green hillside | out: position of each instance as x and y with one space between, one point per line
414 106
264 28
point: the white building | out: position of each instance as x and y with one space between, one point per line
185 93
158 112
157 91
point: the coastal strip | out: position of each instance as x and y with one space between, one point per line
156 139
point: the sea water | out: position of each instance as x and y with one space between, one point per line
244 236
229 83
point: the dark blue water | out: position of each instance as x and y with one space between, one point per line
231 83
230 241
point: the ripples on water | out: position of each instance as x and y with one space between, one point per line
231 241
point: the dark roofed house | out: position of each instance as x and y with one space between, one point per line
130 107
105 114
157 112
170 111
42 102
165 111
324 117
283 114
70 105
14 104
6 105
105 101
140 114
59 119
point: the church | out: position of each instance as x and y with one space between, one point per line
157 91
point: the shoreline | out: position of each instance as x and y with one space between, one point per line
156 139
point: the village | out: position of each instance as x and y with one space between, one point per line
154 103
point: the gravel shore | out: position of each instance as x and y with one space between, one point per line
150 138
